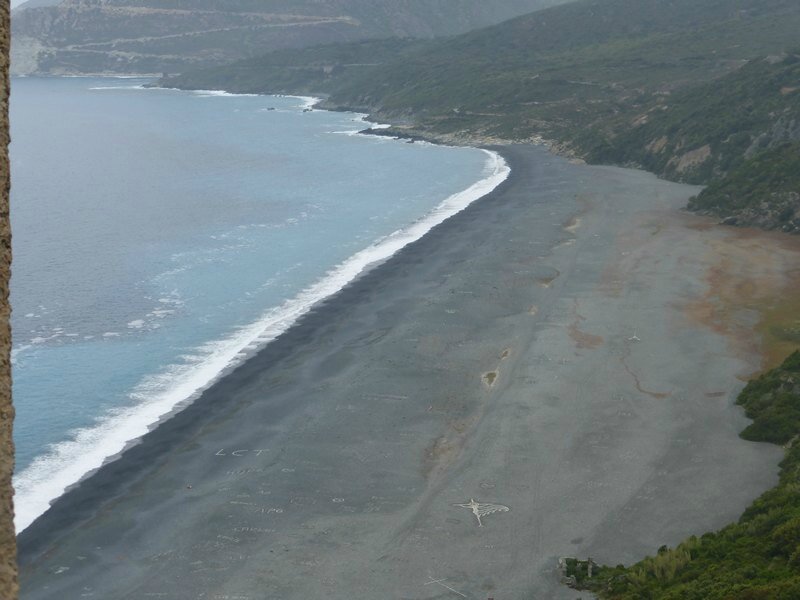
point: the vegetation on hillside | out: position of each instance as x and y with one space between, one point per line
756 558
764 191
317 70
691 91
687 90
147 36
721 124
550 73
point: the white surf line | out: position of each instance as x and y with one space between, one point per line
160 396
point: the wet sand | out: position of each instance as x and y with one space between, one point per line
561 349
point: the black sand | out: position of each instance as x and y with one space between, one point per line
531 352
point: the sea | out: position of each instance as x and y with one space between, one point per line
160 237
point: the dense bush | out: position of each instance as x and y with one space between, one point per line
768 177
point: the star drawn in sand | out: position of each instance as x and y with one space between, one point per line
480 509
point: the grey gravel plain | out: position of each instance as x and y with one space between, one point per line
533 352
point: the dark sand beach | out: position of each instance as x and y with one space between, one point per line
563 348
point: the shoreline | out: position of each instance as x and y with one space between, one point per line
300 323
243 344
404 131
492 360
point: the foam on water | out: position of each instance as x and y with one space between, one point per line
308 101
158 397
118 87
219 94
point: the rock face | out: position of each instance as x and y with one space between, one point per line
8 553
156 36
691 159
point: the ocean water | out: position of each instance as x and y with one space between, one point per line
160 236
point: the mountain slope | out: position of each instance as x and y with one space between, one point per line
688 90
572 64
549 73
764 191
707 130
172 35
36 4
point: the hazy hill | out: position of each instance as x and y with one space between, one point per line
36 4
689 90
125 36
541 73
567 65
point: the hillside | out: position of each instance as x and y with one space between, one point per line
688 90
550 73
756 558
739 133
705 131
764 191
328 69
154 36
